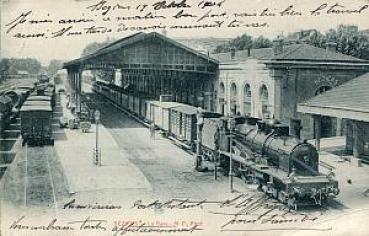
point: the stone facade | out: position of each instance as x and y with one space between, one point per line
288 75
246 93
295 85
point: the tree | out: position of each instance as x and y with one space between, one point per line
4 69
244 42
13 65
261 42
53 67
349 40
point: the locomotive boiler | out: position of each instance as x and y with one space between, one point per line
284 167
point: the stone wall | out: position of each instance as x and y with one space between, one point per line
299 85
240 74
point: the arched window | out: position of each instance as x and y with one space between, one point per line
233 98
247 99
322 89
264 93
221 98
233 91
247 92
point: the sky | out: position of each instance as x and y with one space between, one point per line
64 47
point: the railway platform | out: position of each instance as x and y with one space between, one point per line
76 155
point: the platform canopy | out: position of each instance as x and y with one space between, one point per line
349 101
148 51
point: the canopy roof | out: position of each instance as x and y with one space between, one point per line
349 100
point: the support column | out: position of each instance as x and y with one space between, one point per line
78 91
72 96
277 80
339 127
356 145
317 126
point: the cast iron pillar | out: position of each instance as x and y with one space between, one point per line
318 128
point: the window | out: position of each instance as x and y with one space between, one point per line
247 99
264 94
233 91
247 92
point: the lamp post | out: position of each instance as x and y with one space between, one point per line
198 156
231 125
97 152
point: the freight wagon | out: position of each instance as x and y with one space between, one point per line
36 123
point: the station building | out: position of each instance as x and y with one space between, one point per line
267 82
270 82
349 102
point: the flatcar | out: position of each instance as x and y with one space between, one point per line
36 123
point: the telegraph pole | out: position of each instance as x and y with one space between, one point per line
231 125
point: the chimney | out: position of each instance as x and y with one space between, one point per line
278 45
233 53
331 46
248 52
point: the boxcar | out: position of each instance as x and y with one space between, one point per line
36 122
136 105
124 100
183 125
160 114
131 103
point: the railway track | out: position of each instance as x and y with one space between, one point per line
39 184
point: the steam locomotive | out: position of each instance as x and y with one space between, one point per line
284 167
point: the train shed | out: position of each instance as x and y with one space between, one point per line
152 65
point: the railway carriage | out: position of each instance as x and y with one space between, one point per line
36 123
183 124
6 106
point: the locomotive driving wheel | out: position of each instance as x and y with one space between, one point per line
292 203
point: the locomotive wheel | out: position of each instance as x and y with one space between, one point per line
260 187
292 203
275 193
281 197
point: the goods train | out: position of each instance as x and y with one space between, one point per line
37 114
12 100
262 151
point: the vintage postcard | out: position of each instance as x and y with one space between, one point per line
184 117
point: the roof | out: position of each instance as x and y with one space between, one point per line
36 103
349 100
134 38
311 53
186 109
36 108
242 55
294 52
166 105
39 98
